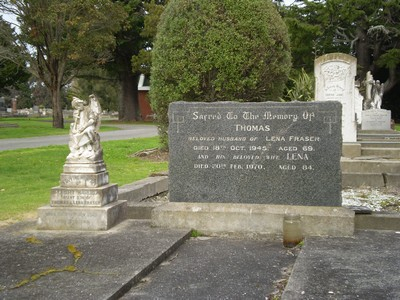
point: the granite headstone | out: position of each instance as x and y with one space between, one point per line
266 153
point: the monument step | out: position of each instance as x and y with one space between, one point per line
378 132
380 144
142 189
375 180
141 210
387 153
211 218
377 221
379 138
370 165
376 138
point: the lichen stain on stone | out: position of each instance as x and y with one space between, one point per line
76 253
69 268
33 240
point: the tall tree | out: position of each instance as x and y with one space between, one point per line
62 36
131 55
128 43
97 81
368 29
153 10
12 71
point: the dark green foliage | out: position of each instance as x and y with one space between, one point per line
12 72
300 87
226 50
366 29
59 37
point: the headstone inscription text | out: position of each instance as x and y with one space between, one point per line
267 153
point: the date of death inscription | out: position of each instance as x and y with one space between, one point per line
287 153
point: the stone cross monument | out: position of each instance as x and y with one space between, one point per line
85 200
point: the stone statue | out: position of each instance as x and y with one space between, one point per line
377 94
369 82
373 92
84 142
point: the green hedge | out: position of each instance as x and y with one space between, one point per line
225 50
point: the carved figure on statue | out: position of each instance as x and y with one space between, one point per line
377 94
84 143
369 82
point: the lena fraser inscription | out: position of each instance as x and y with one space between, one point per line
269 152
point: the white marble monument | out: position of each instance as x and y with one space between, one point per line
335 81
358 101
85 200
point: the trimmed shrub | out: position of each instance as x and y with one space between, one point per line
225 50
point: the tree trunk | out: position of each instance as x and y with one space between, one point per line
392 81
58 119
129 110
363 53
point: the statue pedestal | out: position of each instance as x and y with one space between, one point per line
81 218
84 200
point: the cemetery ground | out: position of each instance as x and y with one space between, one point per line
104 265
28 174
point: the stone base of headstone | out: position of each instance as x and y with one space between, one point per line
91 196
73 167
253 218
351 149
84 200
81 218
376 119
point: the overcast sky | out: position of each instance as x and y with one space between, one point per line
10 18
288 2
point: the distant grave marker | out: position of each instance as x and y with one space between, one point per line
376 119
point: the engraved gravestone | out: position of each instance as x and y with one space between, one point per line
267 153
335 81
376 119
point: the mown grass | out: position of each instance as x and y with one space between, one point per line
31 127
27 175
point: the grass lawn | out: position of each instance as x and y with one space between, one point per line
30 127
27 175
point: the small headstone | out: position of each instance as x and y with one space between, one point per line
3 107
260 153
334 81
14 105
376 119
